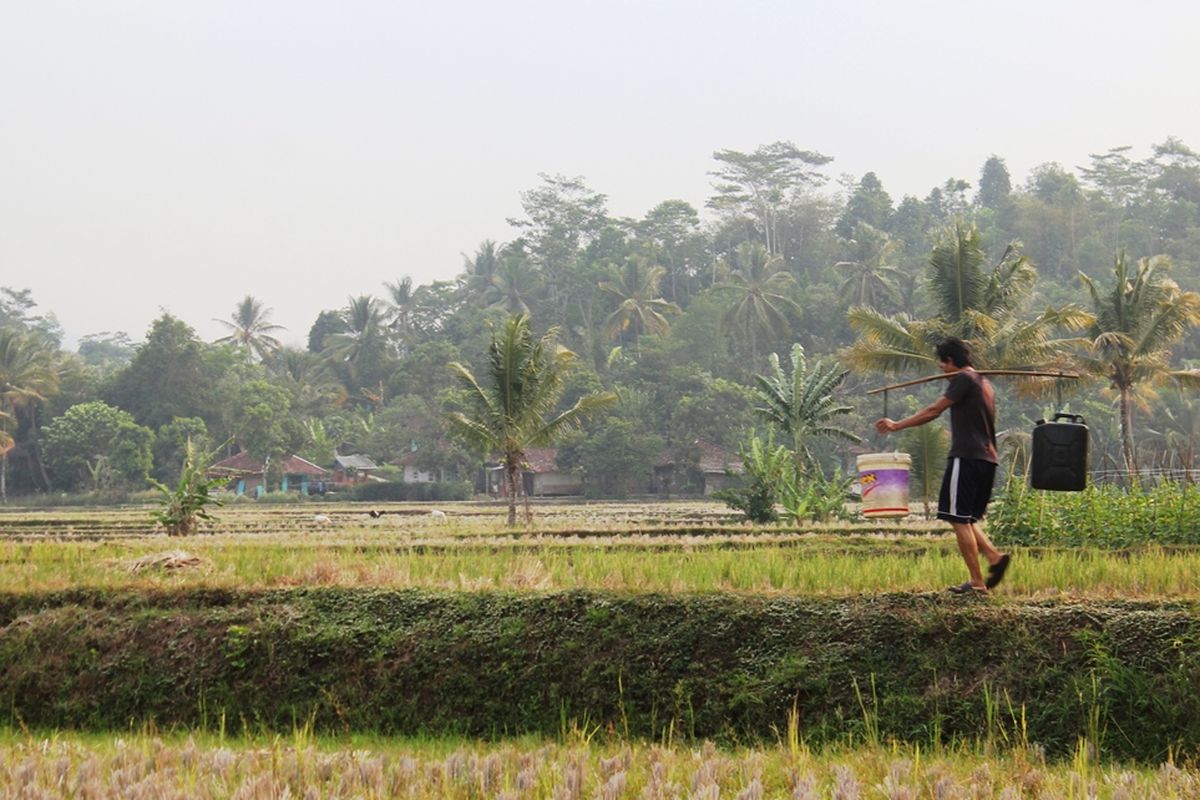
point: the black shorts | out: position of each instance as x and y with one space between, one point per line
966 489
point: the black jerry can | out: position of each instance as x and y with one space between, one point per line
1060 454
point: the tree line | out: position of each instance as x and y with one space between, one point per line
675 314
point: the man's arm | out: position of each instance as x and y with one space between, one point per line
927 414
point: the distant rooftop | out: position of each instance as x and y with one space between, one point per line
355 462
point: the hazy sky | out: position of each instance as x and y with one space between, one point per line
180 155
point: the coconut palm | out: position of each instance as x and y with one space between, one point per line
1138 318
250 329
364 319
639 308
757 281
973 303
871 279
513 409
513 285
313 386
400 307
359 355
1178 425
27 378
802 404
479 271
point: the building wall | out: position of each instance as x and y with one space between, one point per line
414 475
556 483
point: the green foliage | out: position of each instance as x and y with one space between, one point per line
811 496
168 377
616 457
184 507
802 405
262 421
766 467
94 440
171 444
250 329
1099 516
515 409
1139 317
928 446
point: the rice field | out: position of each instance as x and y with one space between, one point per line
581 765
815 565
684 547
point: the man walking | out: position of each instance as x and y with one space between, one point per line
971 462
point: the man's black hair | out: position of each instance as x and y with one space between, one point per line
956 350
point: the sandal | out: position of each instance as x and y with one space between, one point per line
967 588
996 571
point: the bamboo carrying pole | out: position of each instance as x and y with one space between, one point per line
1025 373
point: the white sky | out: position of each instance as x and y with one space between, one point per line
179 155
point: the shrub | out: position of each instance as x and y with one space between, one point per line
183 508
766 466
1099 516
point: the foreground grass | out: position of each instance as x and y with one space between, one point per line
803 565
144 765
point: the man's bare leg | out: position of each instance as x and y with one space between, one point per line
984 544
965 534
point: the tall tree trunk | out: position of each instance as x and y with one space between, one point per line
37 452
1127 434
4 478
511 472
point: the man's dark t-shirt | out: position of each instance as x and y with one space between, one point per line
972 417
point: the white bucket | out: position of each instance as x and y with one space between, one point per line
883 478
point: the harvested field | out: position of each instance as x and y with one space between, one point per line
203 767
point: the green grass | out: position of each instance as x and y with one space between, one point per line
807 566
582 763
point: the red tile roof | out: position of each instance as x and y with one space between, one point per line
711 458
542 459
243 462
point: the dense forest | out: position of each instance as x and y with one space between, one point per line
675 312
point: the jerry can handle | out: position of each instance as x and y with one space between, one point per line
1077 418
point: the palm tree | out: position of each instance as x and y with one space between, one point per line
401 305
639 310
802 404
512 286
479 271
358 355
973 303
250 329
1138 318
757 281
313 387
513 411
27 378
364 319
1179 426
871 280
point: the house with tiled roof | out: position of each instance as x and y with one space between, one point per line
352 470
702 467
541 475
247 474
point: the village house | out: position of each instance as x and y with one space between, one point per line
675 471
352 470
247 475
414 473
541 476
